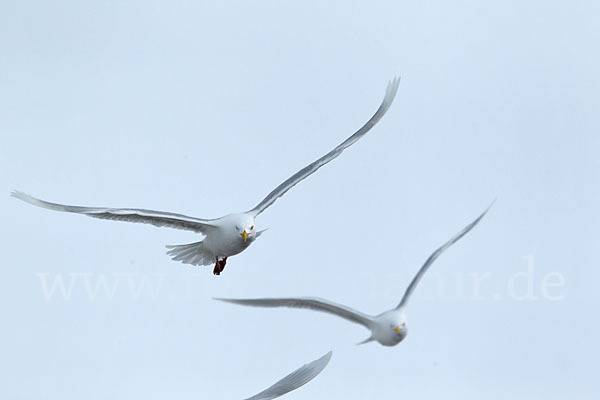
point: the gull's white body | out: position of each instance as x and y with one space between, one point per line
228 235
388 328
222 240
294 380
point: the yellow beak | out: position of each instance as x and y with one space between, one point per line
245 235
398 329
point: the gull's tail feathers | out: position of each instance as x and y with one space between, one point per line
191 253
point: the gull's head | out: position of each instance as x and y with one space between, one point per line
390 327
398 325
400 331
244 227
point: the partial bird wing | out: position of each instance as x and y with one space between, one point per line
434 256
312 303
293 381
280 190
156 218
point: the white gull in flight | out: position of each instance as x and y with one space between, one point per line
225 236
388 328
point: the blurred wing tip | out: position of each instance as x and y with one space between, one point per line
391 90
222 299
320 363
327 356
488 207
17 194
23 196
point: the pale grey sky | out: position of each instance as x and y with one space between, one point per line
202 108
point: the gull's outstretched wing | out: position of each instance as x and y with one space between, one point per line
293 381
435 255
156 218
280 190
312 303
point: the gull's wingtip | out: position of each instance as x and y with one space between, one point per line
472 224
223 299
367 340
326 358
40 203
393 84
22 196
391 90
320 363
490 206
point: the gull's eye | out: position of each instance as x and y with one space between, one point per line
237 228
252 228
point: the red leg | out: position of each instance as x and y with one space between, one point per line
222 264
217 270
